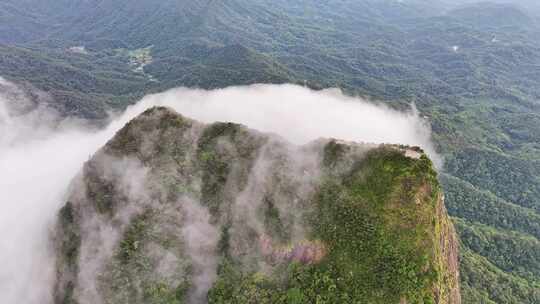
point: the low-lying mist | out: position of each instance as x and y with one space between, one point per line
40 153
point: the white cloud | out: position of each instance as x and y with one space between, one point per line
298 114
37 160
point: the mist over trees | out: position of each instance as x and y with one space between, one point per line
470 67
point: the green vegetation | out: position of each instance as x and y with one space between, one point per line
217 159
514 253
481 97
131 271
482 282
382 246
371 233
69 244
467 202
373 229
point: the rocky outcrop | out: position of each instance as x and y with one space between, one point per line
175 211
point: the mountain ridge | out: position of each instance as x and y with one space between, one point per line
238 215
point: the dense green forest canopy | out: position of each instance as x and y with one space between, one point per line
472 68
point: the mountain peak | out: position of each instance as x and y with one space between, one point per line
176 209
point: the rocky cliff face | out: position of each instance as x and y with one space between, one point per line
175 211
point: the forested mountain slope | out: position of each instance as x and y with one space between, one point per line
473 69
175 211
